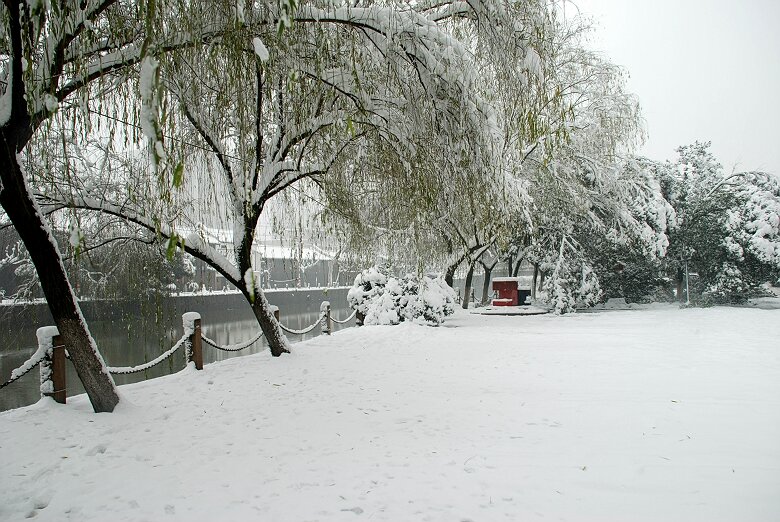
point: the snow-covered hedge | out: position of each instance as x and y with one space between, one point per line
385 299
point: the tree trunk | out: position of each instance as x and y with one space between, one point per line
516 269
277 342
467 287
450 275
509 263
680 281
26 218
37 238
486 284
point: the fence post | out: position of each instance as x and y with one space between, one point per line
275 310
52 366
359 318
326 325
194 351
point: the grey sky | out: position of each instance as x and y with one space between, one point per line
703 70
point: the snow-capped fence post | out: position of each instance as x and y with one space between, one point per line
52 366
194 348
326 325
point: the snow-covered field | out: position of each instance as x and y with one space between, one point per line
630 415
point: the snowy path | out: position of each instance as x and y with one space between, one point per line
638 415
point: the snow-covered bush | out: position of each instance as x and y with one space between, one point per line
754 224
384 299
559 288
383 309
428 300
369 285
589 292
570 282
729 283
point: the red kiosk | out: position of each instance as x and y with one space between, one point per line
508 291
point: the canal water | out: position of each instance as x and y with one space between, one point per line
130 333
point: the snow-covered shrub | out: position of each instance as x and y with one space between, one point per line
730 285
589 292
384 299
368 286
571 282
559 288
428 300
383 309
440 295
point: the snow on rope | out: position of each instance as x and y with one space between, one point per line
246 344
122 370
231 347
28 365
345 321
305 330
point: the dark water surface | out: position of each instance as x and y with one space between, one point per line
131 333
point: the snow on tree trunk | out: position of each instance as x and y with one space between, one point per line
277 341
516 269
42 248
486 285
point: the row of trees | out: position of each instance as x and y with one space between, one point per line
565 183
726 229
170 115
683 216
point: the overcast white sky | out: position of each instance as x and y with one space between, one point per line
703 70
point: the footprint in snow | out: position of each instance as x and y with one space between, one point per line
100 448
355 510
42 500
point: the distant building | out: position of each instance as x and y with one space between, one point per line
276 265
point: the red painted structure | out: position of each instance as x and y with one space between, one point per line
510 291
506 291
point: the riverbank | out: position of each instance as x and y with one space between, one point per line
631 415
132 332
36 311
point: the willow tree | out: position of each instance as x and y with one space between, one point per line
70 60
49 56
265 110
471 192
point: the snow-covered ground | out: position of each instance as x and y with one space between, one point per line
643 415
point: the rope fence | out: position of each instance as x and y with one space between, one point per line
126 370
345 321
25 368
300 332
231 347
51 353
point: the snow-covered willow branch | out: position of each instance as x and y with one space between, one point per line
193 243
